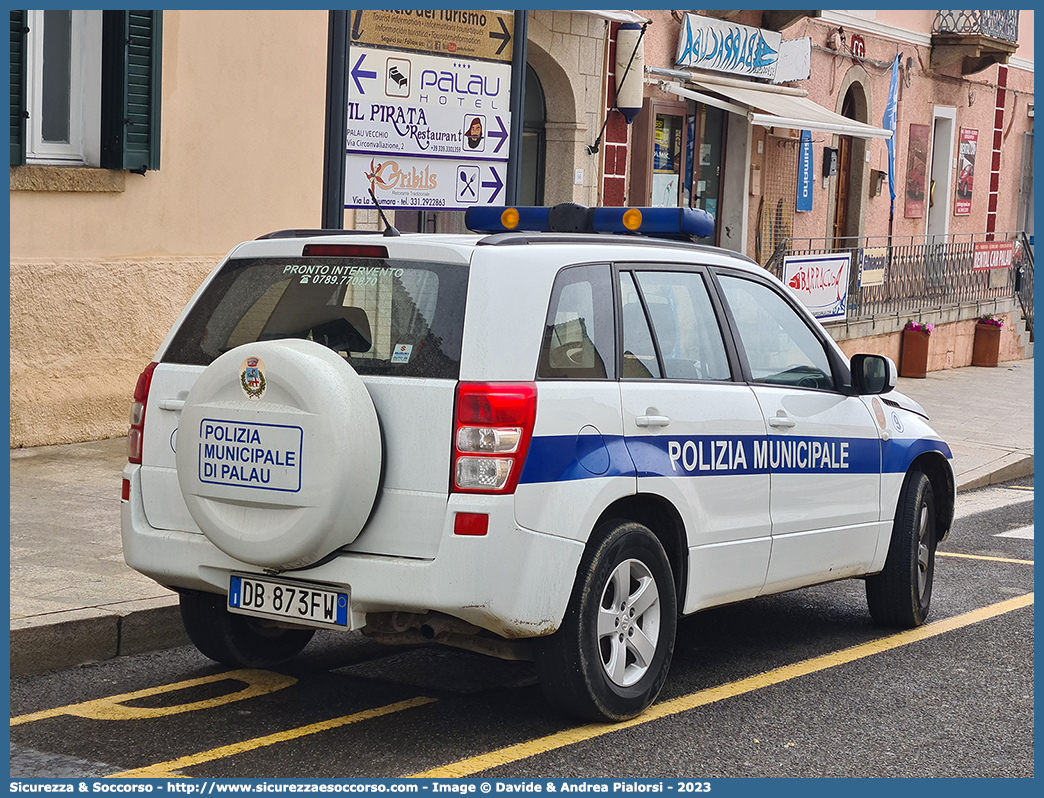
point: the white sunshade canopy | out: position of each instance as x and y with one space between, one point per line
771 106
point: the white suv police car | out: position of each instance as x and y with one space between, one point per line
548 439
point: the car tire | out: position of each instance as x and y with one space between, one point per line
236 639
610 657
900 596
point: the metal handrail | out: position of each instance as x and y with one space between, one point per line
923 272
995 23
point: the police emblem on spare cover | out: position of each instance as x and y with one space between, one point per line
252 377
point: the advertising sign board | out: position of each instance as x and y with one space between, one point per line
820 282
993 255
461 34
722 46
432 183
804 183
426 131
965 171
873 265
916 171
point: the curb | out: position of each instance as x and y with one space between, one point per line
78 637
1007 468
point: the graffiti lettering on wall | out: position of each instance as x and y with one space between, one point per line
726 47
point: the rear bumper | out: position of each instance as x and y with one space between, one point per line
512 581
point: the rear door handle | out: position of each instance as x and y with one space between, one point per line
171 404
781 422
652 421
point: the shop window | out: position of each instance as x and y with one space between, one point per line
659 153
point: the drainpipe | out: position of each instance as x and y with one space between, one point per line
336 121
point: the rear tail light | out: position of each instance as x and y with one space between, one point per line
491 439
137 414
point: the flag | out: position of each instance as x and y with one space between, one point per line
888 123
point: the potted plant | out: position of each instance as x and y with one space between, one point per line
913 360
986 348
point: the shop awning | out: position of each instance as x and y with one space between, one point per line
774 106
612 16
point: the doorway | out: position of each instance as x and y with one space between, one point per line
940 187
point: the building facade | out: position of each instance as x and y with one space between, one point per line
774 122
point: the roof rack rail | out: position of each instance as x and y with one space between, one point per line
312 233
524 237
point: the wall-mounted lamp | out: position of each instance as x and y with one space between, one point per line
877 178
630 67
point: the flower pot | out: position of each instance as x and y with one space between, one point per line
913 360
986 349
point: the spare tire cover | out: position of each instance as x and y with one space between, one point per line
279 453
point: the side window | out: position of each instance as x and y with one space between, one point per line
780 347
639 354
579 336
685 325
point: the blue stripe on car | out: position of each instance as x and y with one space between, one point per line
563 458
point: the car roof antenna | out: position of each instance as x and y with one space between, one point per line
388 229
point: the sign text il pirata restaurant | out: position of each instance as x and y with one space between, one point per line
428 108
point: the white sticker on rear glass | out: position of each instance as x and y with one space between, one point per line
402 353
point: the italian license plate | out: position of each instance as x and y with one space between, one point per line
289 601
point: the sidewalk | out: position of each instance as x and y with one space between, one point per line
74 600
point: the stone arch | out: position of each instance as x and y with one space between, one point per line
565 125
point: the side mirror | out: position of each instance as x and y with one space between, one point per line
873 374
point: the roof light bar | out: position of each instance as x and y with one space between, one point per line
573 218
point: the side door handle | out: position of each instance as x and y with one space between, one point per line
781 422
652 421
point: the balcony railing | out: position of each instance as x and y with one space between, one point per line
922 273
996 24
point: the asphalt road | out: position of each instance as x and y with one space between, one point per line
797 685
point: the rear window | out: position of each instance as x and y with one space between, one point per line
382 316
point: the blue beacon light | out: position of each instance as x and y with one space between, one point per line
665 222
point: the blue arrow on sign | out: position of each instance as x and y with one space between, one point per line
502 135
496 185
361 73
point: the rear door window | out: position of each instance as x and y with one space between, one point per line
578 335
685 325
384 317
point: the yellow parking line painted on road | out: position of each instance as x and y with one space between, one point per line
468 767
1020 487
983 557
114 707
168 770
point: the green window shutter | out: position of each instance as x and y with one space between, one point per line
131 67
18 32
